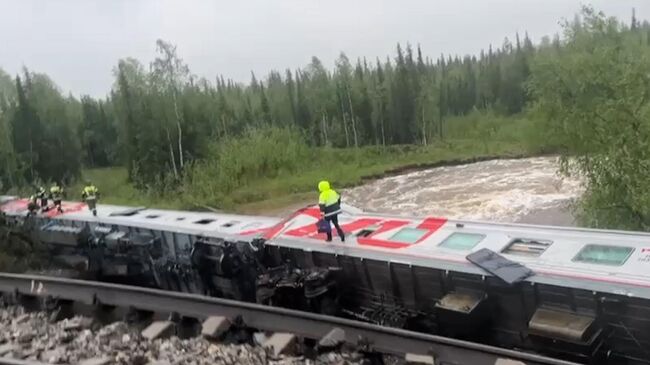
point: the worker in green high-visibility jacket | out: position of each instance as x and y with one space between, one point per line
56 194
90 194
329 202
41 194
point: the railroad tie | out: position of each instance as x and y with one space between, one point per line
104 360
159 329
508 362
332 340
215 326
281 343
418 359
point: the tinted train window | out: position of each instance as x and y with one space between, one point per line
604 255
408 235
527 247
462 241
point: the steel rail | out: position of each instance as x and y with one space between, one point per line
9 361
303 324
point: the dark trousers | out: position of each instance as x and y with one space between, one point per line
334 219
57 204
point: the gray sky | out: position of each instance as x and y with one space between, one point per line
78 42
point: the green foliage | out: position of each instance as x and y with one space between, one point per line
159 121
593 94
193 142
260 153
274 164
41 122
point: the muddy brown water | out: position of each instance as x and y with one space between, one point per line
527 190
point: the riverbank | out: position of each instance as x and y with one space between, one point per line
345 168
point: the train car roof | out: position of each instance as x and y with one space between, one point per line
196 223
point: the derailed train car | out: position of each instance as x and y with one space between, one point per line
578 294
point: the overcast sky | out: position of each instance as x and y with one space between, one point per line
78 42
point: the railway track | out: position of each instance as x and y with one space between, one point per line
6 361
289 325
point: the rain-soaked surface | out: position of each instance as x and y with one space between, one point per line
520 190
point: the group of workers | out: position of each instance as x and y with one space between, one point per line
40 198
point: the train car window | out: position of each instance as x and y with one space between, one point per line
126 213
204 221
527 247
462 241
408 235
365 232
604 255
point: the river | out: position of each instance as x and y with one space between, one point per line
528 190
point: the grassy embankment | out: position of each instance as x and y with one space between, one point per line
477 136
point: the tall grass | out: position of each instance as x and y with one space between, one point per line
267 168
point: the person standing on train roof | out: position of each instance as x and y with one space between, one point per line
32 205
56 194
41 195
90 194
329 202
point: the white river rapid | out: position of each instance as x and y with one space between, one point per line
526 190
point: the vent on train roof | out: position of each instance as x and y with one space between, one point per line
205 221
527 247
152 216
229 224
127 213
365 232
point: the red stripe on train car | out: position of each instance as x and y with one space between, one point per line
432 225
67 208
273 231
311 231
385 227
15 206
347 228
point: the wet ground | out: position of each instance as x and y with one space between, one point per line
519 190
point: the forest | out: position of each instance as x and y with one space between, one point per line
582 94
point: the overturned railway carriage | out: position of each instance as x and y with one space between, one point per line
578 294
